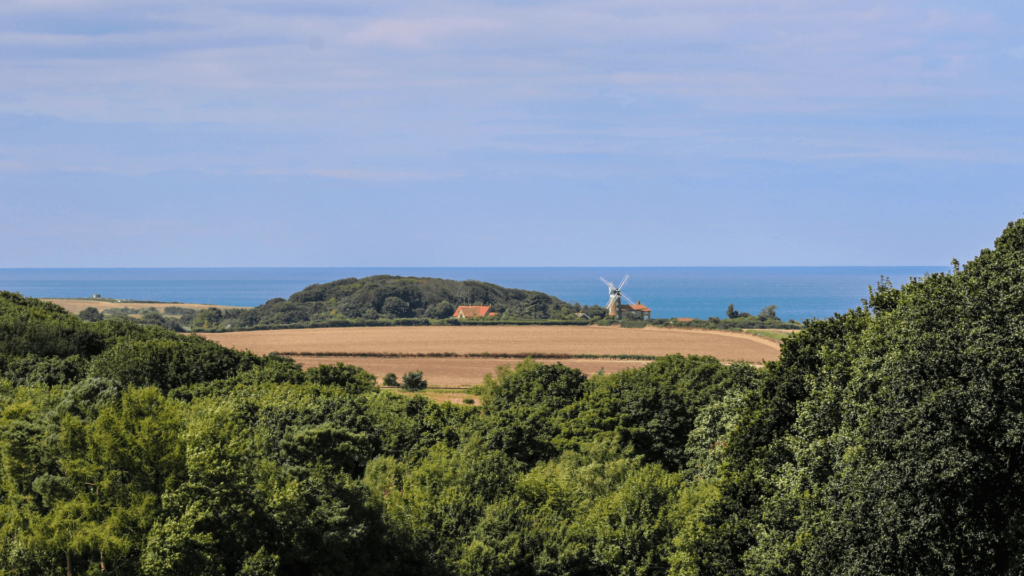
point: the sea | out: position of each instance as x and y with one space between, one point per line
693 292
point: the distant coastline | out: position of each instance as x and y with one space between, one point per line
695 292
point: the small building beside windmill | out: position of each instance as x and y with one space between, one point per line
473 312
634 311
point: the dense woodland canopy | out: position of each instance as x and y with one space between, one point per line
887 440
391 297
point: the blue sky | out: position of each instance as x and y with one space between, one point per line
447 133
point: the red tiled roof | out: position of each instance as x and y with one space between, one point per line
684 319
635 307
471 311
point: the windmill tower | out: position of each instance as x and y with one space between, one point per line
615 297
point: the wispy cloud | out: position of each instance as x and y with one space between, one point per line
420 33
426 83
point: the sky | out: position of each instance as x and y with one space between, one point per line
496 133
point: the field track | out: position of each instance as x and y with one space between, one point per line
515 340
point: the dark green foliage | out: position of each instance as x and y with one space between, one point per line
395 307
187 318
156 319
430 509
768 313
629 323
731 312
277 464
52 371
443 309
90 314
652 409
388 296
527 408
622 522
390 380
121 312
910 440
886 440
208 318
742 320
352 379
413 382
169 363
29 326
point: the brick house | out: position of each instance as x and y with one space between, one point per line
473 312
634 312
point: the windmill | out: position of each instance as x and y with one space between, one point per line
615 296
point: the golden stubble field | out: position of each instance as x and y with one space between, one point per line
728 346
341 343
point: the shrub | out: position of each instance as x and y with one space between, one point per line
633 323
352 378
390 380
90 314
169 363
768 313
413 382
395 307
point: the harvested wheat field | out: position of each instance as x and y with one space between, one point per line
457 372
76 305
513 340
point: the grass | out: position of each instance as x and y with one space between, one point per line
768 334
453 395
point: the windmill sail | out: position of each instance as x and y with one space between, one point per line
615 296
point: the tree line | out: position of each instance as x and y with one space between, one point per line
371 301
886 440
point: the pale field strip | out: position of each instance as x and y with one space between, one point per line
458 372
76 305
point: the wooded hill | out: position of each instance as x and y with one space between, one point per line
388 297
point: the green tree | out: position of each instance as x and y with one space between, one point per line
525 408
906 460
390 380
352 379
443 309
170 362
731 312
537 306
430 509
30 326
768 313
653 409
90 314
395 307
270 482
413 382
207 319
